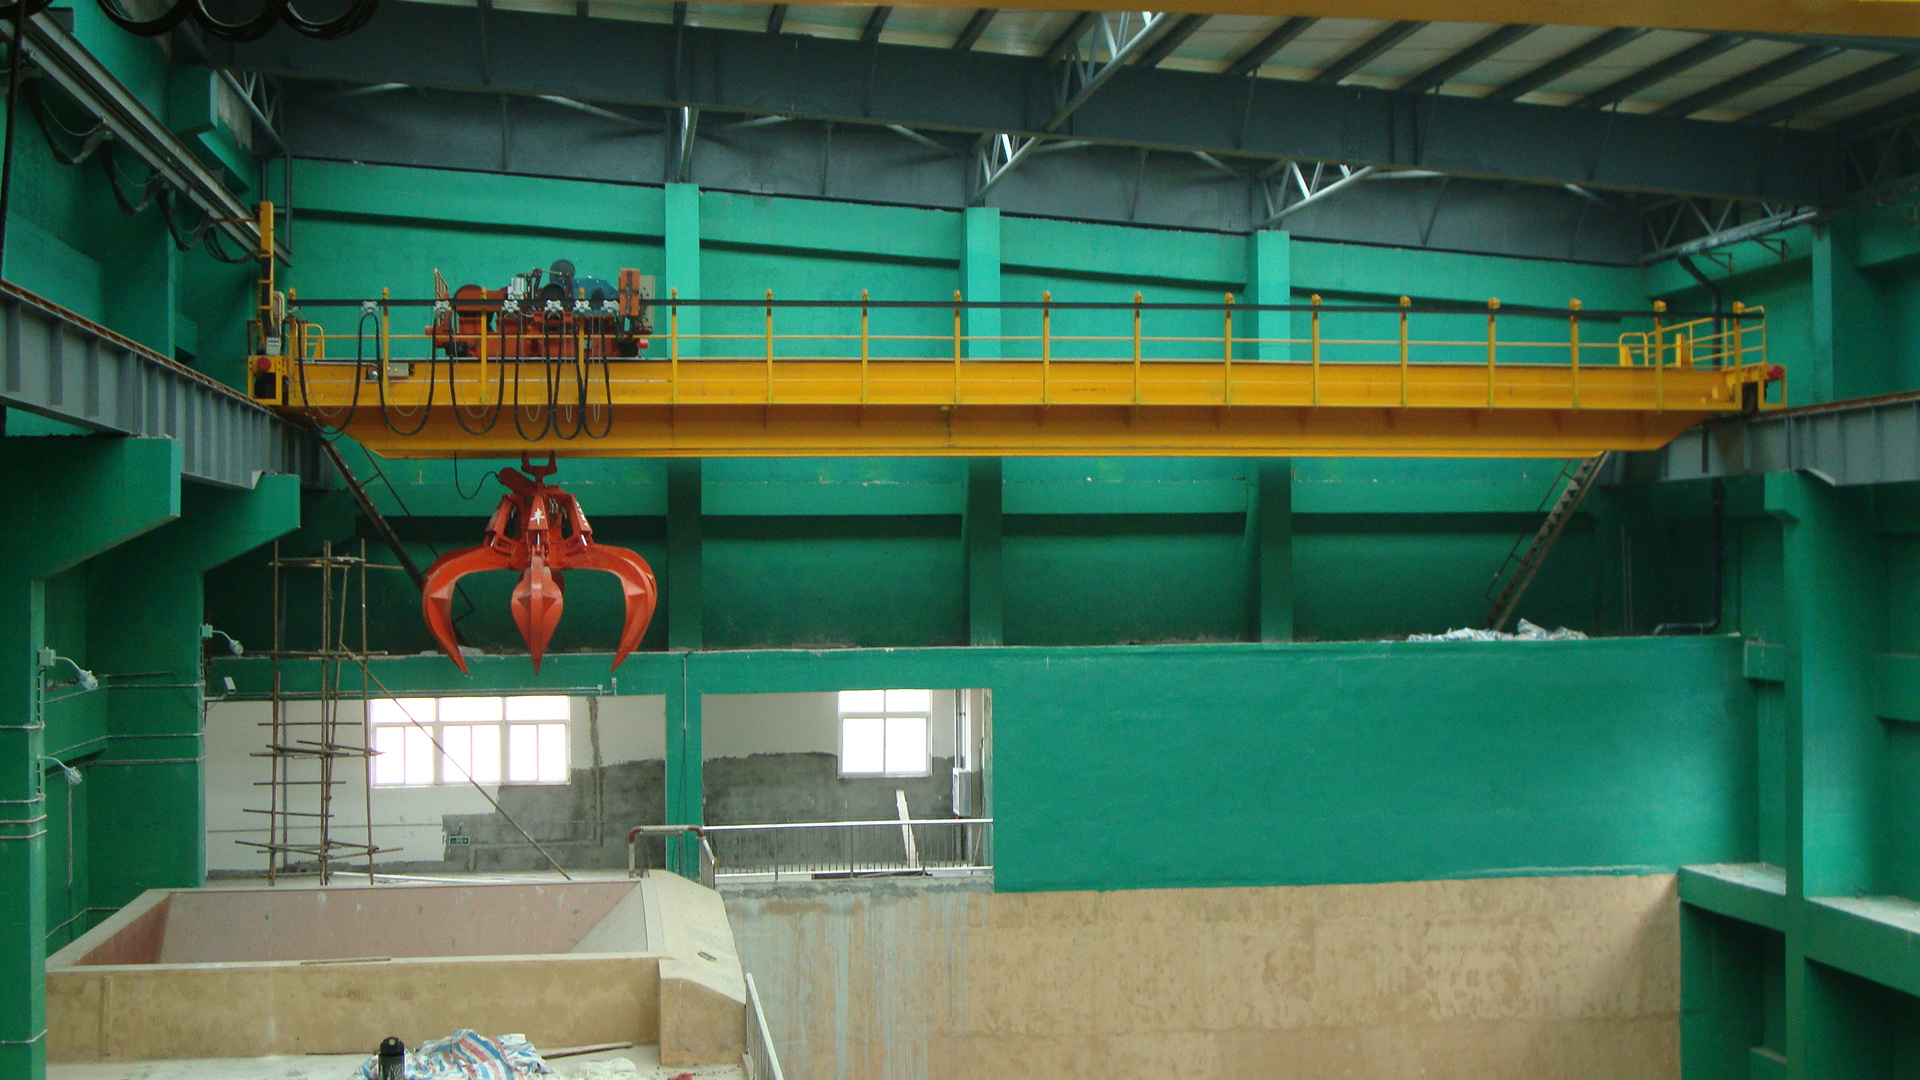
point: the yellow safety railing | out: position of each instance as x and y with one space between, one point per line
487 365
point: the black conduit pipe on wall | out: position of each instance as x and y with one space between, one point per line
1686 263
1719 557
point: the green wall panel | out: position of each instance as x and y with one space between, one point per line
872 580
1133 578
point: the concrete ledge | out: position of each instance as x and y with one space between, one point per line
703 992
1874 937
1751 892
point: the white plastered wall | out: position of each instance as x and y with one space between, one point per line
632 728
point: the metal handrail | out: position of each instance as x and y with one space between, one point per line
760 1062
699 831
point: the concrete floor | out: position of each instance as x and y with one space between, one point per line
645 1059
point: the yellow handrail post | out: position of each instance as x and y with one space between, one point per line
1136 349
1659 358
1315 301
1573 342
1740 352
1659 348
1405 303
1493 310
673 346
958 298
863 346
769 347
1226 372
1046 347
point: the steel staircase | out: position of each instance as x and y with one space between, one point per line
1510 582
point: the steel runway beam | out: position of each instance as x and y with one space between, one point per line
983 93
57 365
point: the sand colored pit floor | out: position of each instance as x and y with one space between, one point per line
645 1059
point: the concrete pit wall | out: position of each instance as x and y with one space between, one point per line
1568 978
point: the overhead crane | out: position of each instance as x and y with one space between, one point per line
559 363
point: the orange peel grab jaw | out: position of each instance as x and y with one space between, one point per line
541 532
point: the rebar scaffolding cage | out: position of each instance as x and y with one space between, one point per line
303 748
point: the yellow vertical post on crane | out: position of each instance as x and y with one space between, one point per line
1226 366
863 346
673 345
1046 347
1136 350
769 347
957 296
1659 358
1315 300
1573 343
1493 309
1739 349
483 357
1405 303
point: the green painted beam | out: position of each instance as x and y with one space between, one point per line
980 279
1876 938
1271 522
681 272
682 585
1751 892
982 529
389 194
1269 281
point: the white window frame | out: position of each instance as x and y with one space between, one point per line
888 711
551 711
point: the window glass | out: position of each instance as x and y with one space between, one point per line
863 701
863 745
469 710
541 707
906 744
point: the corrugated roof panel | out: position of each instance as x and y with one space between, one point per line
1826 71
930 26
1319 45
1426 47
1519 58
1025 33
1736 61
631 10
1219 40
1862 101
1636 55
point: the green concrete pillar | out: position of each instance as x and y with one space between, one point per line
686 780
682 269
1835 589
685 620
982 528
88 495
980 278
1269 281
143 286
146 607
1270 523
1852 355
